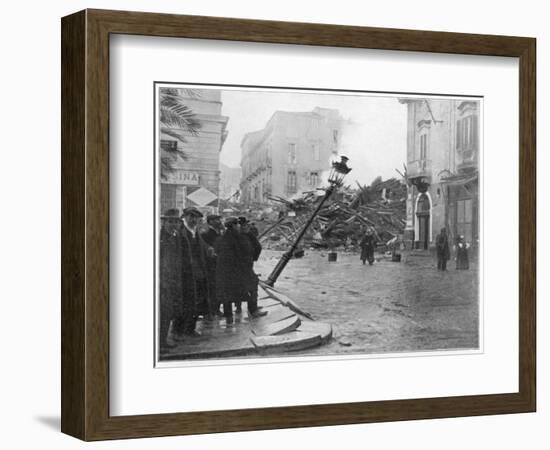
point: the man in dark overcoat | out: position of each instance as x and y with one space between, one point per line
254 230
214 231
367 247
442 249
248 232
253 249
170 274
210 236
194 274
234 277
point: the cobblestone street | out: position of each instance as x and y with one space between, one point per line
387 307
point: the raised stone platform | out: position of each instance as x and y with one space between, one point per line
282 330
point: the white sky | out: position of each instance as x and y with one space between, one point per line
375 144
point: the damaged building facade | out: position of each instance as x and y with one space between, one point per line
443 148
289 155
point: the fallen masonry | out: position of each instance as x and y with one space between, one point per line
380 207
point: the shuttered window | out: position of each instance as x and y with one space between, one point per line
291 182
316 152
314 179
467 133
292 153
423 146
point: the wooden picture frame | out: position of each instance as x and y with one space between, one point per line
85 224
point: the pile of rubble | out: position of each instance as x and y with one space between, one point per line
343 220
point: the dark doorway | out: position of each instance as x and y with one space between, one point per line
423 217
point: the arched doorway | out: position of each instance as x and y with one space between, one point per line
423 207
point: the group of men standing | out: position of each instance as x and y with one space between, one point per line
203 271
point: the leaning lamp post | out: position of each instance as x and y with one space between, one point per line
336 177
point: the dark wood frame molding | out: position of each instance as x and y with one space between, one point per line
85 224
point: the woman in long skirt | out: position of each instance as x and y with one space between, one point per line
462 261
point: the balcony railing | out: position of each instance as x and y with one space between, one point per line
419 168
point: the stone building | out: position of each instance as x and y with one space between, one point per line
230 178
194 178
289 155
442 167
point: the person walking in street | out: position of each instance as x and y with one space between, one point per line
195 287
367 247
210 237
170 270
442 249
462 260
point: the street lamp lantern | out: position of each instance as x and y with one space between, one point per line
338 171
336 178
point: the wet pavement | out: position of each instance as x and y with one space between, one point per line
387 307
278 332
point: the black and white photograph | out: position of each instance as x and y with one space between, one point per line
302 222
253 225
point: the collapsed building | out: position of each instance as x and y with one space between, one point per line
343 220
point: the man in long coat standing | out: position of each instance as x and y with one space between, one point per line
442 249
235 278
210 237
170 274
367 247
195 287
253 249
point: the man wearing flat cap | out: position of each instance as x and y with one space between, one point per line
195 292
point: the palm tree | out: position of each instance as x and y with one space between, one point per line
177 120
